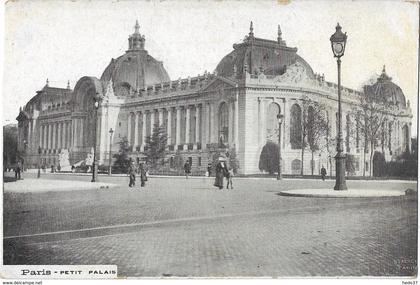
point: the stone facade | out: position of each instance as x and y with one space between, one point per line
236 105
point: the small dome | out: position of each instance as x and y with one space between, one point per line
136 68
257 55
388 91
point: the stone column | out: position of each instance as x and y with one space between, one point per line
178 126
160 117
205 130
129 128
187 124
46 136
262 120
136 130
197 123
69 135
74 123
81 132
29 134
143 133
64 135
59 135
152 121
230 124
409 137
286 124
169 126
55 137
49 136
236 128
41 136
212 126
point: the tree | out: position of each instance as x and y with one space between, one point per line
9 145
314 128
122 160
269 158
371 115
155 149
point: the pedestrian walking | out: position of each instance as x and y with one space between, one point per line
187 169
143 175
18 169
220 173
229 177
132 175
323 173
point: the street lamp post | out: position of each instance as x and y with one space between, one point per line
94 163
39 162
338 45
111 131
280 120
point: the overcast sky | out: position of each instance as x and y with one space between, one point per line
65 40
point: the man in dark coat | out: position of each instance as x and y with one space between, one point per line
187 169
323 173
17 171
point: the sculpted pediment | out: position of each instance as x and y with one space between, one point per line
219 83
295 74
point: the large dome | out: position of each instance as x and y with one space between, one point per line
136 68
386 90
257 55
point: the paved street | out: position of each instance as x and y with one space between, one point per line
179 227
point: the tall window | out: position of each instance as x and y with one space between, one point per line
296 127
272 123
311 114
223 123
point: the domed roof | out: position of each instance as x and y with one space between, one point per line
385 89
136 68
257 55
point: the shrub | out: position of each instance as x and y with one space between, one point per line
269 158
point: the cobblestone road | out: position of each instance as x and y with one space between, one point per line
178 227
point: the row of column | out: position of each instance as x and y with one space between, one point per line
169 120
56 135
206 124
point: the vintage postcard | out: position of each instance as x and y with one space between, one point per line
210 139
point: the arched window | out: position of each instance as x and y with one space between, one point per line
272 123
223 123
296 127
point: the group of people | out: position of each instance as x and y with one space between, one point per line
223 171
132 174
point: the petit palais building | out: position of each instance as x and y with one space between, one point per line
233 109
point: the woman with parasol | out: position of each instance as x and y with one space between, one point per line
221 170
